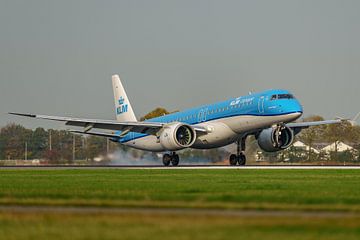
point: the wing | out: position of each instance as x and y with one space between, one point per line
316 123
88 124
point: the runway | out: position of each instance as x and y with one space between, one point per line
184 167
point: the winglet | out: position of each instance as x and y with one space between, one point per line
351 121
356 117
23 114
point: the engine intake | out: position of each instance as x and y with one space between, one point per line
177 136
276 138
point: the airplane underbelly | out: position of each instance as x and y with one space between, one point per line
242 124
220 135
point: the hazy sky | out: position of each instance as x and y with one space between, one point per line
57 57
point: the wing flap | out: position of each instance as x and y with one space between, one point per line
108 135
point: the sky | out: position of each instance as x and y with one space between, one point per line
57 57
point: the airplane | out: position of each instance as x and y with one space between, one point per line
269 116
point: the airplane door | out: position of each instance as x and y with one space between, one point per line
202 115
261 104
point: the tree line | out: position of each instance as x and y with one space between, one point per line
59 146
17 142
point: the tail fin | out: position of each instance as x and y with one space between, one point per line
124 111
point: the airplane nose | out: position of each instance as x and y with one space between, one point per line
298 114
294 108
298 110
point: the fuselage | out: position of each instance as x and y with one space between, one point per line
226 121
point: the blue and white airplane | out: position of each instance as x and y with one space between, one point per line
268 115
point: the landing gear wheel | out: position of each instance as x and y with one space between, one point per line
242 159
233 160
175 160
239 157
166 159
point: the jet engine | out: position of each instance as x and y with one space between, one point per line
177 136
276 138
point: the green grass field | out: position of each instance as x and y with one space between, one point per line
329 191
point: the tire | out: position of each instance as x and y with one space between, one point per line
242 159
166 160
175 160
233 160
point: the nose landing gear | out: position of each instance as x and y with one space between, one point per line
237 159
171 158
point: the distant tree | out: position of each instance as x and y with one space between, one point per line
155 113
95 146
62 143
14 138
209 155
80 151
354 135
343 156
312 134
2 146
339 132
52 155
39 143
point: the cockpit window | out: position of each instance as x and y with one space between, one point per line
282 96
288 96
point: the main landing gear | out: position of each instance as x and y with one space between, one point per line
239 157
171 158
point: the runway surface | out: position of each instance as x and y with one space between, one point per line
160 167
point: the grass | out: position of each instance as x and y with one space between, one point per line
292 190
153 226
328 190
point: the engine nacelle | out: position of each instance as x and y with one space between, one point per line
177 136
276 138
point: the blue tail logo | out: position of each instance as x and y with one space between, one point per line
123 108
